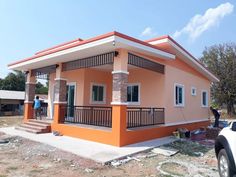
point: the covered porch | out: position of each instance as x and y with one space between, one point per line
107 90
90 88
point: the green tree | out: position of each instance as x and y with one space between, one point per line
41 89
13 81
221 61
16 81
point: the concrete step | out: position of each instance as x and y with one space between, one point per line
44 122
26 125
28 130
36 124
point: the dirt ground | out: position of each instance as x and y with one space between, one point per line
10 121
25 158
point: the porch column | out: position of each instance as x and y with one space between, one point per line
119 96
29 96
60 97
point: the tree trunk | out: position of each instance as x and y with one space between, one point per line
230 108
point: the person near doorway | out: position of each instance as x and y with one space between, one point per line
216 115
37 108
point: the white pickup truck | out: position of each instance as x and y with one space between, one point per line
225 149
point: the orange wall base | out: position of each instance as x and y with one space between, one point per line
101 136
135 136
129 137
28 112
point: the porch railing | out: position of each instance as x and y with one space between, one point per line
139 117
89 115
44 110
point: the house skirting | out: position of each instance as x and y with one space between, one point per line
130 136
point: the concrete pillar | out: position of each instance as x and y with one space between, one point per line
59 97
119 96
29 96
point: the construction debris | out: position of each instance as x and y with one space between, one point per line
167 151
117 163
56 133
212 132
88 170
182 133
4 141
199 154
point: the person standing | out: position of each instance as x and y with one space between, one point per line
216 115
37 108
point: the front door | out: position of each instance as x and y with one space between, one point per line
70 98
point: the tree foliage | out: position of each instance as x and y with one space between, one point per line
13 81
221 61
41 89
16 81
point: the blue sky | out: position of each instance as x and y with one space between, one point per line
29 26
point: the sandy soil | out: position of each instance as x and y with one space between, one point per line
10 121
21 157
24 158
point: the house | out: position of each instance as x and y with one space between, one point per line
118 90
12 102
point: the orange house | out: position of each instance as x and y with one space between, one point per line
118 90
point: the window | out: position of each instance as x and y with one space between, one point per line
179 95
133 91
193 91
204 99
98 94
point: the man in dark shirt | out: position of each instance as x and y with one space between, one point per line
216 115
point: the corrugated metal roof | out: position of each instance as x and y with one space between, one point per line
12 95
18 95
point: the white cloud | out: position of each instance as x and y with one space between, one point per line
148 31
200 23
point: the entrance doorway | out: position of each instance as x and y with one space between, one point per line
70 98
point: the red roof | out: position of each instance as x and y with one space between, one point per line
78 42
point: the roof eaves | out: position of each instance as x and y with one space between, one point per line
190 56
60 48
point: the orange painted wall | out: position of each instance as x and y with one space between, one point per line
192 109
144 134
99 77
176 71
151 87
73 76
96 135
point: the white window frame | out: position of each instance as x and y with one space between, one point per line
91 93
139 90
193 88
204 106
183 95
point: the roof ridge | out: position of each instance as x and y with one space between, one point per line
59 45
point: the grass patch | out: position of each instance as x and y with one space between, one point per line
166 176
189 148
12 168
3 176
36 171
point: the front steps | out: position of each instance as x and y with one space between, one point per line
35 126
